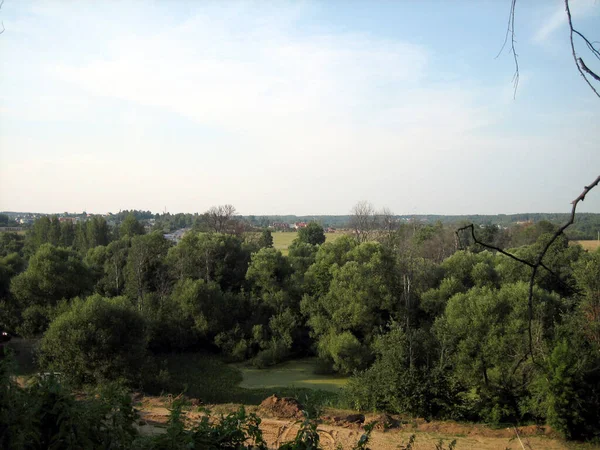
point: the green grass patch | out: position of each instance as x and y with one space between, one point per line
297 373
210 379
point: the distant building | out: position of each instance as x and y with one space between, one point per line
298 225
282 226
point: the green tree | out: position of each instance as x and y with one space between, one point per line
11 243
53 274
109 264
145 271
97 232
362 296
130 227
266 238
486 332
96 340
311 234
211 257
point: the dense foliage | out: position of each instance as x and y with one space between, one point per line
424 328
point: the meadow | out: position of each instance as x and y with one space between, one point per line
590 245
283 239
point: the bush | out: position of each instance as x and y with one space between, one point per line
96 340
276 352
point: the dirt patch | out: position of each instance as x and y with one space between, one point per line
154 415
385 422
281 407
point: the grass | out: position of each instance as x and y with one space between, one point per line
297 373
283 239
211 380
589 245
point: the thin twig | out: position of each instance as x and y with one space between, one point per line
584 67
571 32
510 31
539 260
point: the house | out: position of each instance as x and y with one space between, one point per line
281 226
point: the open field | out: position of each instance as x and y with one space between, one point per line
297 373
588 245
283 239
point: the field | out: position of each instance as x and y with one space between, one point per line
283 239
298 373
589 245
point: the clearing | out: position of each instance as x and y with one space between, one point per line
297 373
283 239
589 245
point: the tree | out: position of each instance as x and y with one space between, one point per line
144 270
363 221
489 352
220 218
53 273
131 227
266 238
109 263
97 232
96 340
361 297
211 257
312 234
11 243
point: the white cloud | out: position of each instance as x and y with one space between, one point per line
558 17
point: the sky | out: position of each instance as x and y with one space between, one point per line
295 107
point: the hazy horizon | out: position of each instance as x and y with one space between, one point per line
294 106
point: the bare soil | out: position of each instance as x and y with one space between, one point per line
344 428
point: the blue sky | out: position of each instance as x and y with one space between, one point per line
294 107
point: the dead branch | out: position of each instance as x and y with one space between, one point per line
510 31
578 61
583 69
539 260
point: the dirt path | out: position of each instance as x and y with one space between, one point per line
154 413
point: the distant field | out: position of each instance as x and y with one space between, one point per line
589 245
283 239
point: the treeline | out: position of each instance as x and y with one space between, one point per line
426 323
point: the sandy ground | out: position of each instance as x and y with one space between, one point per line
154 413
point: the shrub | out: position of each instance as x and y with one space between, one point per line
96 340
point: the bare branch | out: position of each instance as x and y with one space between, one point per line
510 31
590 45
585 68
572 31
539 260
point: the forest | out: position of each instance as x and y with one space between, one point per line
425 321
